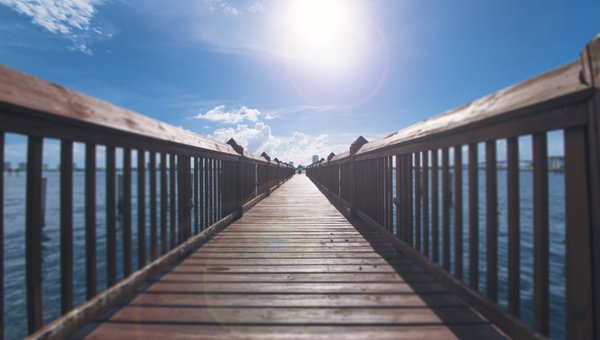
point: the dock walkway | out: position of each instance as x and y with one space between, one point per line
294 267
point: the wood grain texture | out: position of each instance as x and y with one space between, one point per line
294 267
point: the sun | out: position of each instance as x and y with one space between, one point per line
325 35
328 45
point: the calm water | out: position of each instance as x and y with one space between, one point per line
14 219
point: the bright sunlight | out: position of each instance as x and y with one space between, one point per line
331 45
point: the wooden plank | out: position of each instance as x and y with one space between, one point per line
153 210
111 216
555 85
33 234
514 239
90 220
196 195
302 332
446 192
253 275
458 211
473 217
127 259
435 207
141 208
173 200
60 104
425 185
2 170
541 268
163 203
491 210
202 189
418 198
66 226
579 298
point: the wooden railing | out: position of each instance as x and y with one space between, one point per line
195 185
394 183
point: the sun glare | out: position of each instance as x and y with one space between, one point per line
329 43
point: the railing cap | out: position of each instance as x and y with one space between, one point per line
590 61
238 148
356 145
265 156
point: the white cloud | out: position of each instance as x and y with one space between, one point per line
71 18
298 148
221 115
221 6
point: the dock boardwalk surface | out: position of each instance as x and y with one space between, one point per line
294 267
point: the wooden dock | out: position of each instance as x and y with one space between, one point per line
294 267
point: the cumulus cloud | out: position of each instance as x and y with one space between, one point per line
71 18
298 148
221 115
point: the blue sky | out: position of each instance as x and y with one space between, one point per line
292 78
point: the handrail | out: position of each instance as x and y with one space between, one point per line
394 184
195 186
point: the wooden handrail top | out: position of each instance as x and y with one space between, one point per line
24 94
562 85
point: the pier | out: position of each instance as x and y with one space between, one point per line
374 242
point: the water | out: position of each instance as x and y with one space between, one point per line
556 238
15 316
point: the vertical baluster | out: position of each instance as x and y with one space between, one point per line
398 195
153 213
579 261
90 220
127 260
163 203
491 220
540 234
2 234
220 183
390 195
473 217
66 225
33 234
409 198
514 242
141 208
202 189
209 196
215 191
425 192
173 203
418 194
111 216
435 220
458 223
196 195
2 169
181 209
445 209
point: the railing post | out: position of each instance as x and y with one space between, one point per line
579 275
239 202
329 158
267 173
354 147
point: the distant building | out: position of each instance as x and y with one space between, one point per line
46 167
292 163
22 166
7 166
556 163
315 159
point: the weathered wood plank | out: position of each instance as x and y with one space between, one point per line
293 259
